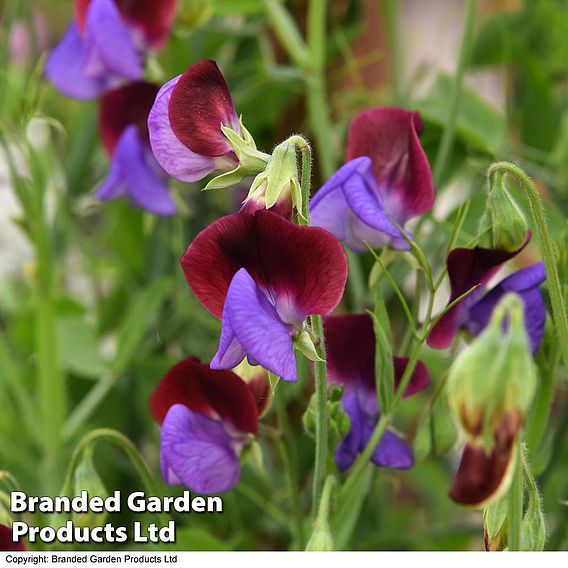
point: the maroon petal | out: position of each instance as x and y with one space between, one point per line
304 269
483 477
6 542
200 104
152 17
261 391
350 354
213 393
389 136
420 379
125 106
466 269
350 350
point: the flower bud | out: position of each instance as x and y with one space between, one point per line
87 479
490 388
277 186
495 377
503 225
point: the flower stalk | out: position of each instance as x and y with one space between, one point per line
559 314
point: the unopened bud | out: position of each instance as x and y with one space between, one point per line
87 479
492 383
503 225
278 185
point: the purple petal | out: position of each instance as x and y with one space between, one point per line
135 170
197 451
393 452
348 205
255 326
363 411
176 159
525 283
110 43
352 443
64 68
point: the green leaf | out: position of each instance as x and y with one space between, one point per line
236 7
78 347
384 368
141 312
478 124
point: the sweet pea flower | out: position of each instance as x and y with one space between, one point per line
470 267
6 542
207 417
134 172
263 275
350 353
194 128
106 44
386 181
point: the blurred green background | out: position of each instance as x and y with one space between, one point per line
94 307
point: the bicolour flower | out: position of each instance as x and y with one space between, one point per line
6 542
470 267
106 44
185 124
386 181
263 275
350 354
207 418
134 172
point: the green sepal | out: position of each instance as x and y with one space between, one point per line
303 343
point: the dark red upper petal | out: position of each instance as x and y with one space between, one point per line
466 269
199 105
152 17
6 543
350 350
304 266
389 136
122 107
208 392
350 354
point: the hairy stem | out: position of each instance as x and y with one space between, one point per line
559 314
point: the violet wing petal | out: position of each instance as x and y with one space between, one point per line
176 159
524 282
64 68
144 183
110 40
393 452
197 451
256 325
114 184
351 445
361 193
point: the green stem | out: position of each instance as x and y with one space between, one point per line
356 280
559 314
318 109
95 436
446 142
286 456
320 467
395 52
287 32
515 505
317 329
